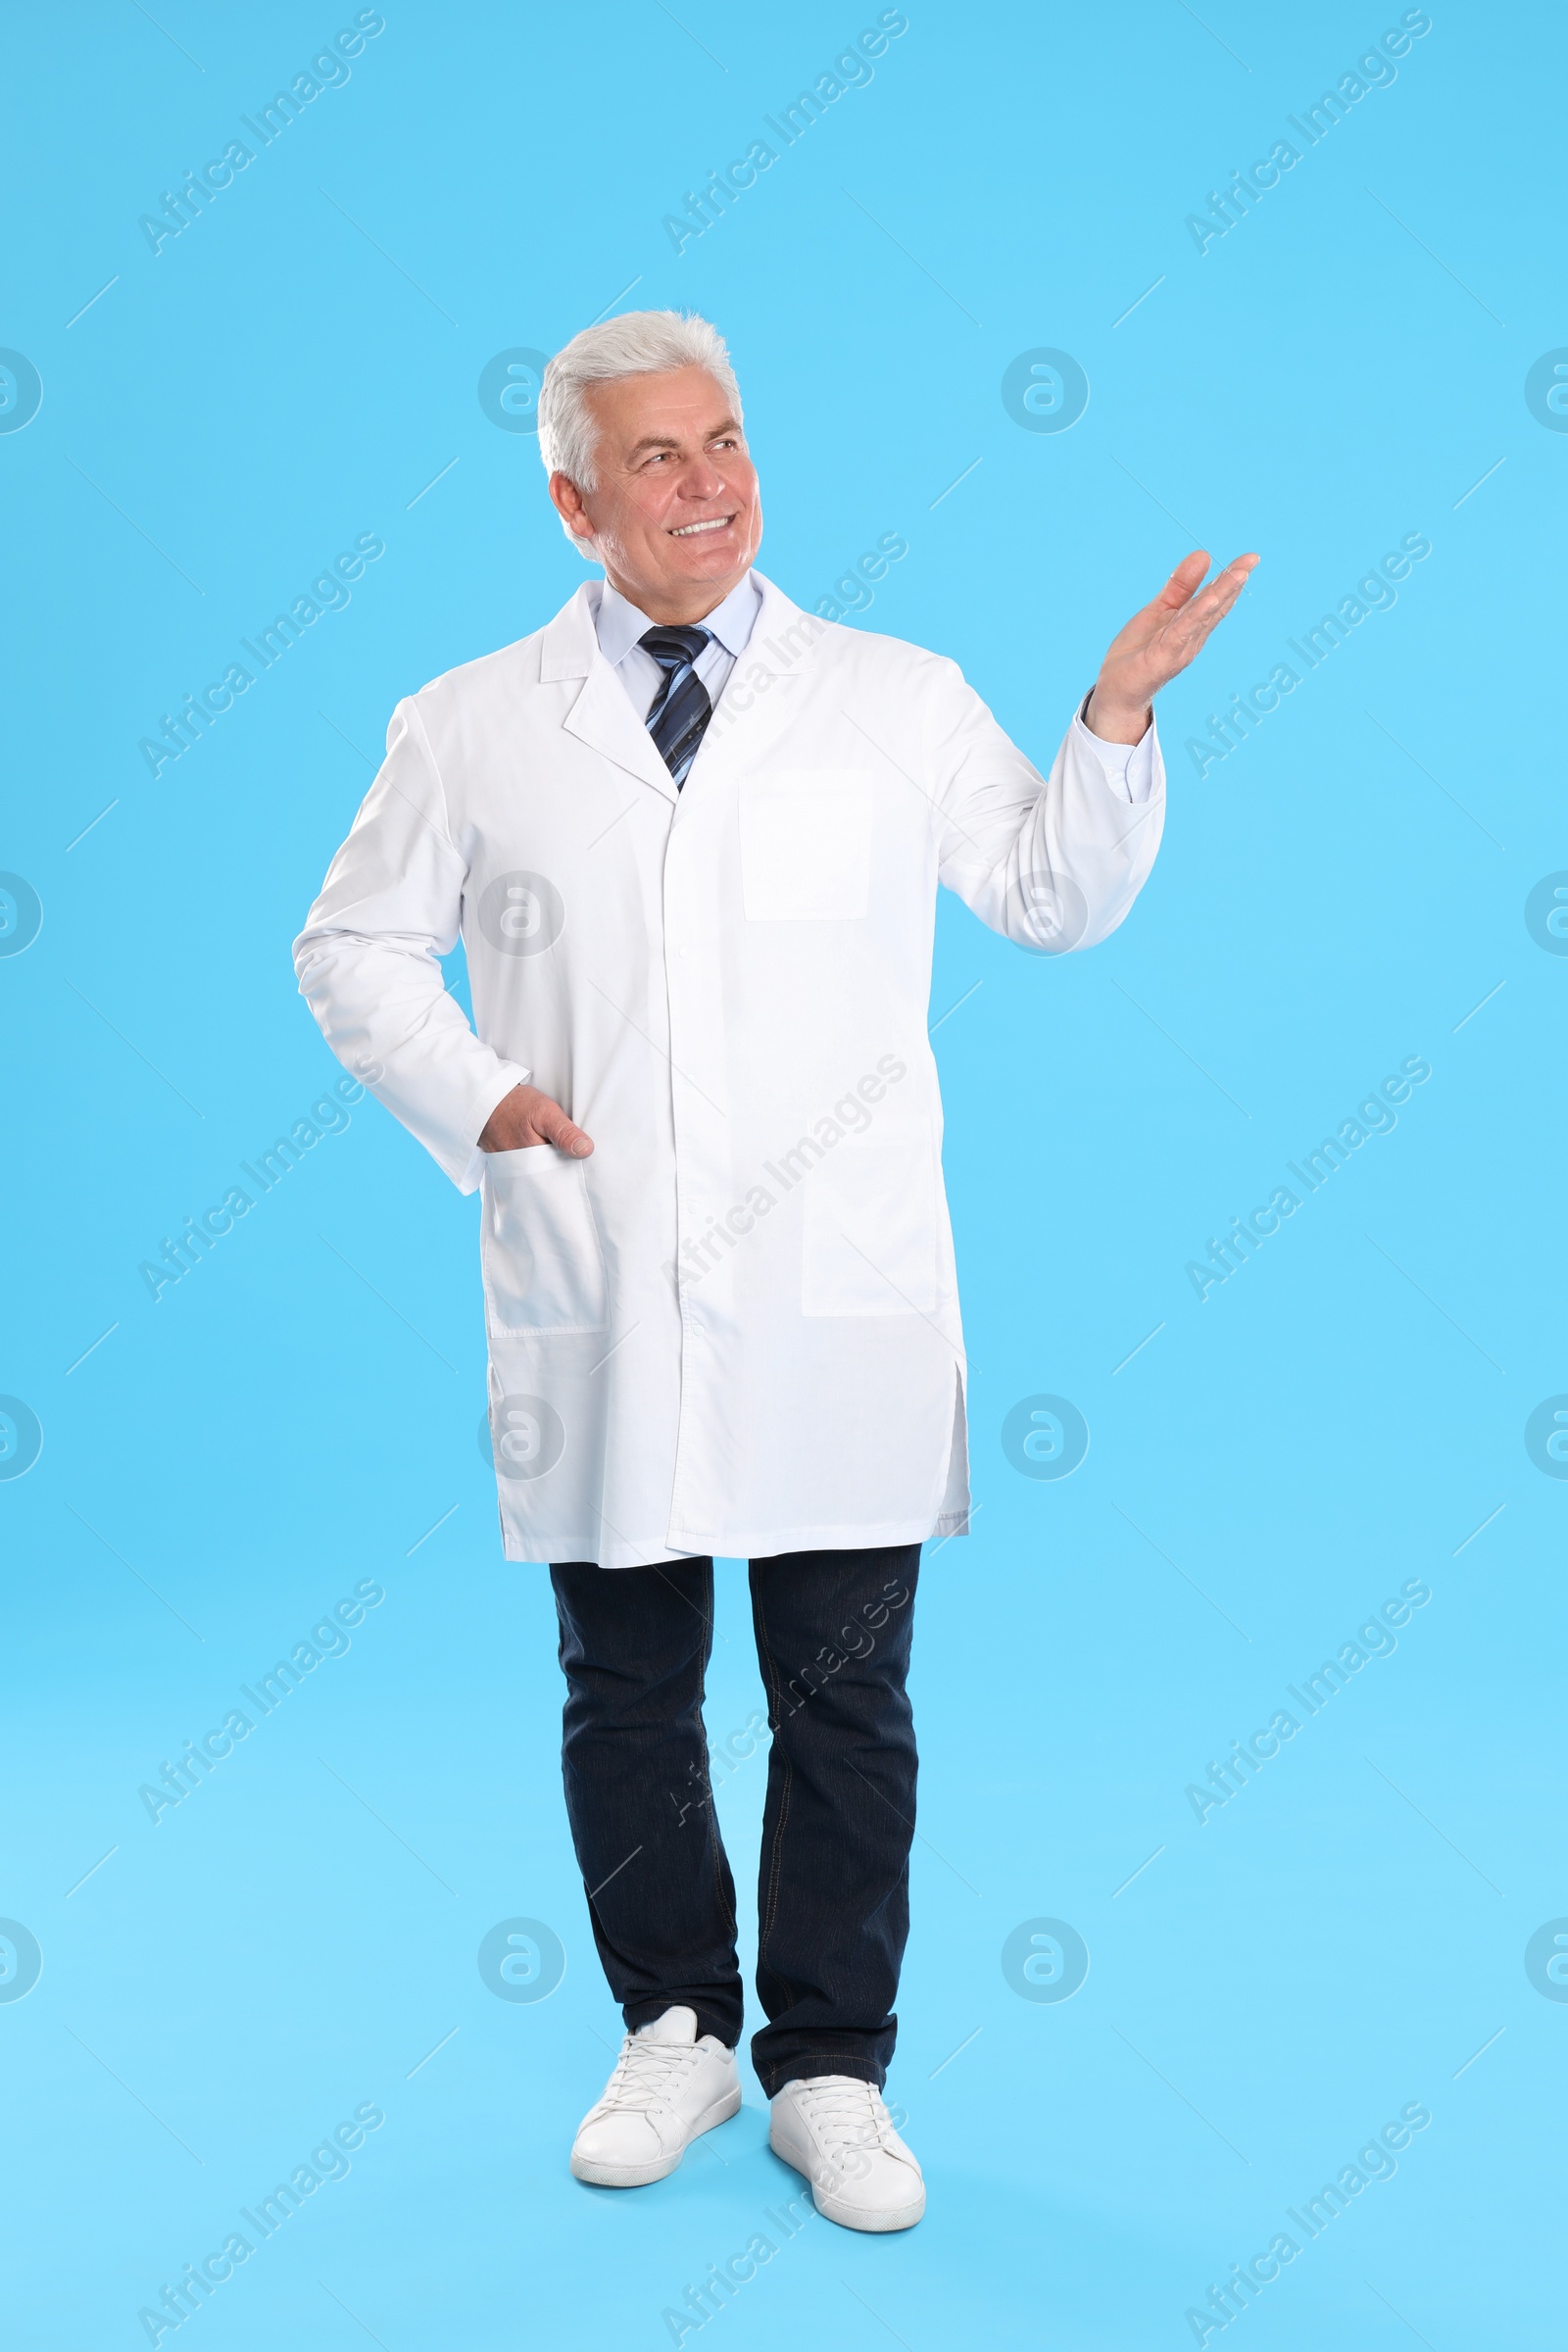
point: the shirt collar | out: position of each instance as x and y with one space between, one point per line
618 625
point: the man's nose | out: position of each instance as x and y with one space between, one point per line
701 480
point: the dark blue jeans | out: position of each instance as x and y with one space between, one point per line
833 1631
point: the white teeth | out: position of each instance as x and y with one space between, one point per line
720 523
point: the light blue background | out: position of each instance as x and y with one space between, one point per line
1337 894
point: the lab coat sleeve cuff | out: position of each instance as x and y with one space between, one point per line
1127 767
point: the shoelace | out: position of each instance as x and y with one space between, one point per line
645 2069
849 2115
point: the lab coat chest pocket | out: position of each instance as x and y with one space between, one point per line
869 1227
544 1269
805 845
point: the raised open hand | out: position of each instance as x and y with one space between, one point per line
1158 642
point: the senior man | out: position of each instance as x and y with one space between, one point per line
691 837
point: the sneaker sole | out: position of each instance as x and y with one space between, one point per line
854 2216
638 2176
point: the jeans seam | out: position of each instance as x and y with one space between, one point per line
715 1844
776 1856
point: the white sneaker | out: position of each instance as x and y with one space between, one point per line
668 2089
835 2130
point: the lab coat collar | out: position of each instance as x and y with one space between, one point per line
568 643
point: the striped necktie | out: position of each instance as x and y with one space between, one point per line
681 707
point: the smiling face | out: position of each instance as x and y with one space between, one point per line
675 517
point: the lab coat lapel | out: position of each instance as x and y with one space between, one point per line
770 680
601 716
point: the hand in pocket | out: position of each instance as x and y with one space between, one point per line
526 1117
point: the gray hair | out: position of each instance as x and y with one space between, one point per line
637 343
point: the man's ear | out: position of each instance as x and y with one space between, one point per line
568 501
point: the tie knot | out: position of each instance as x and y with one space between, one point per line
672 647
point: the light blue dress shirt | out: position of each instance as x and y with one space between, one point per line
618 625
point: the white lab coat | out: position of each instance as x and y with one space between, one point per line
733 1329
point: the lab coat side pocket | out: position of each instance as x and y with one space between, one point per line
544 1268
869 1242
